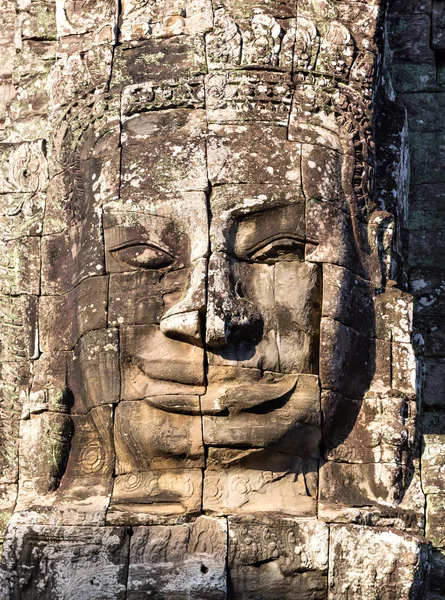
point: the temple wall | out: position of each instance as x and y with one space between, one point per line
417 41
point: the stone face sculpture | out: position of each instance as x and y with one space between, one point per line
220 357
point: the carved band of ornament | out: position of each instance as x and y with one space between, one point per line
214 489
9 426
153 484
71 129
186 93
244 89
241 90
170 544
353 114
255 544
14 346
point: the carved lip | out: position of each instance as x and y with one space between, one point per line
230 398
182 372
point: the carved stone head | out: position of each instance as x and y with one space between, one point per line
212 250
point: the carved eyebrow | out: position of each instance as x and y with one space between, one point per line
256 209
139 242
275 238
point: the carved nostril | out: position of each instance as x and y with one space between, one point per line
230 318
186 327
233 322
216 335
184 320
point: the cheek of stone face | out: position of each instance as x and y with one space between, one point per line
155 365
287 295
297 308
150 439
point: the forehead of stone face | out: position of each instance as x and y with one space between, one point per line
163 152
251 153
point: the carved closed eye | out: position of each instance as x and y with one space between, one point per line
144 256
281 249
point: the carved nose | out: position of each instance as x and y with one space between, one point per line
184 320
230 318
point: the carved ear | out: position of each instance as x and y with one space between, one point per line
54 400
381 237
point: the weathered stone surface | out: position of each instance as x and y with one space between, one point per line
347 298
322 172
433 463
334 236
15 376
43 463
158 439
173 58
394 316
92 452
410 38
18 327
435 507
404 367
50 372
353 571
237 482
154 365
70 257
74 486
8 584
22 215
361 485
145 307
84 70
96 26
295 429
263 155
278 557
359 506
86 562
8 498
151 20
20 266
434 578
64 319
150 169
432 382
142 497
179 562
349 369
423 144
94 375
379 429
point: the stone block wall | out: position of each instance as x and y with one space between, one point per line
417 41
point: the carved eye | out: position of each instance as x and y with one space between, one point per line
284 249
144 256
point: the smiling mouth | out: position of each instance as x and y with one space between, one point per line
231 398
